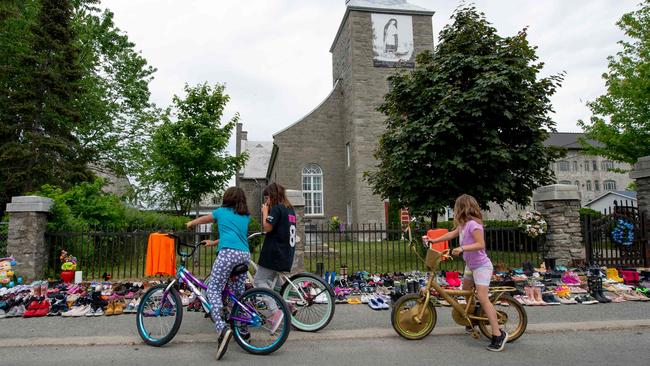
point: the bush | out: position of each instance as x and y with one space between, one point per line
584 212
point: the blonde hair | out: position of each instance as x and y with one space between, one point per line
465 209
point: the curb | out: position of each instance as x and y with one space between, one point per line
369 333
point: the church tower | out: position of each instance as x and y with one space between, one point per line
326 153
374 38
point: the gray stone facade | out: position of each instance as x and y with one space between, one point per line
560 205
641 174
26 235
347 117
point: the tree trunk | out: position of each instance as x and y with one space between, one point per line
434 220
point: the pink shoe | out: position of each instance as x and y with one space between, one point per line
274 320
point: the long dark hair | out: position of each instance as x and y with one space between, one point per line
235 198
277 195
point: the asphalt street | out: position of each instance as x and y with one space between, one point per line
576 334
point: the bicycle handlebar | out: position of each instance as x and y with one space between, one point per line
181 243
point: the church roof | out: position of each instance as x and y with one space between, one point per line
568 140
383 5
259 154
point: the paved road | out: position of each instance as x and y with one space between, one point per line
356 336
346 317
585 348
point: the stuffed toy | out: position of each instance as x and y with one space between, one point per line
6 271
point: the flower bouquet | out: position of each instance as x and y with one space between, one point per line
68 266
533 224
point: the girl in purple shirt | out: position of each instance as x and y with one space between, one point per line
468 225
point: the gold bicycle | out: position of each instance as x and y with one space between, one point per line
414 316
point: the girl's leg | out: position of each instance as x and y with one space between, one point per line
238 285
482 293
266 278
223 265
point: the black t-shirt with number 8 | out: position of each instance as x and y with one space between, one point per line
279 243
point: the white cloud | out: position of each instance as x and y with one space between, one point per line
274 54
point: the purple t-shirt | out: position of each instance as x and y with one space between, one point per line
477 258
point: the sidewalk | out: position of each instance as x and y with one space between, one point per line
350 322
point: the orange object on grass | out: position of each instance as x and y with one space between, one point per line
436 233
161 257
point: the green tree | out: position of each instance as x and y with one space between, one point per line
470 118
38 109
187 157
621 118
116 105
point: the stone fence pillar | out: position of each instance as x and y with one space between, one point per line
641 175
560 205
298 201
26 236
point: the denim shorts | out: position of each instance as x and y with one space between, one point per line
480 276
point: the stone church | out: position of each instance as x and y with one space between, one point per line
326 153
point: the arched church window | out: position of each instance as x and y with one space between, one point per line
312 189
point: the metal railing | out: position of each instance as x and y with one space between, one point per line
376 248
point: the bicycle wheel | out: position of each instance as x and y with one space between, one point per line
405 311
158 318
511 316
310 301
251 326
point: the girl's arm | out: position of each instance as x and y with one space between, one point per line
450 235
201 220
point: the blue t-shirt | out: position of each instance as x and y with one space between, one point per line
233 229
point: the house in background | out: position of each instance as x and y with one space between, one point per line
611 199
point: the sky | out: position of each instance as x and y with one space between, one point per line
273 55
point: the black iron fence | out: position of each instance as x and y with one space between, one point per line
118 253
4 226
618 236
363 247
376 248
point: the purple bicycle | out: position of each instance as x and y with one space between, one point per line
160 312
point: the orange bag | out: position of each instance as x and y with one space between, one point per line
436 233
161 257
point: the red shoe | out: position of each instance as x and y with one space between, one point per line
31 309
44 308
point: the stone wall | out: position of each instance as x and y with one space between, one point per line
560 205
641 174
318 139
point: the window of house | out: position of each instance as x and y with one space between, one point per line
589 185
575 166
347 154
596 186
594 166
607 166
609 185
563 166
577 183
312 189
565 182
586 165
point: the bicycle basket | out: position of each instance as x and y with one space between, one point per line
433 259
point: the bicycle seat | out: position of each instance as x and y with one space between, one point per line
239 269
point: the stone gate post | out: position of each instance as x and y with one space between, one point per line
641 175
560 205
298 201
26 236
